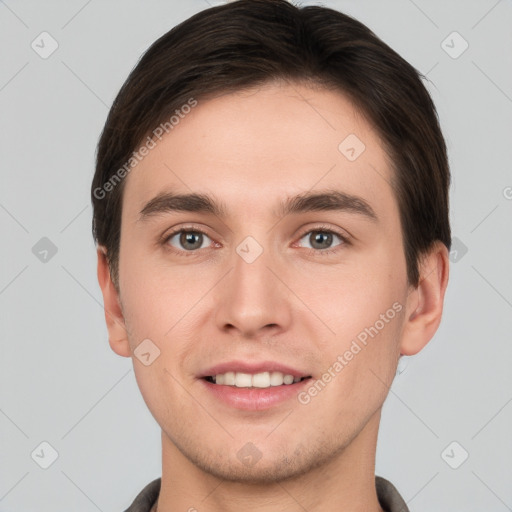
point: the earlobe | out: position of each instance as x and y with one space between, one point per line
117 333
425 303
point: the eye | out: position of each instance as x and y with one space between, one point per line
188 240
321 240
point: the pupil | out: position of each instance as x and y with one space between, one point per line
319 237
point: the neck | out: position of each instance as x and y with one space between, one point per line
346 483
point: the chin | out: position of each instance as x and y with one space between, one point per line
261 473
251 466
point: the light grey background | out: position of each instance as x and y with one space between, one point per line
61 383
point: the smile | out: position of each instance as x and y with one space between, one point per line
256 380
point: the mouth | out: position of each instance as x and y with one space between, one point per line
251 385
259 380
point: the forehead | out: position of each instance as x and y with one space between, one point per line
252 148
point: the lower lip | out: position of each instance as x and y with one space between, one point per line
255 399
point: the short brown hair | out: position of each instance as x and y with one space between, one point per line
247 43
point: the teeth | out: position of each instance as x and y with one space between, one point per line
243 380
288 379
257 380
261 380
229 378
276 379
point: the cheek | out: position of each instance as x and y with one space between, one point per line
360 360
356 297
155 297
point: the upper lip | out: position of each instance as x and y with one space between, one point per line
252 367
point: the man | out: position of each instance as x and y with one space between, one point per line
271 212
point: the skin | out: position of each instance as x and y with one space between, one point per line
250 150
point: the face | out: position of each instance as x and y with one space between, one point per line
248 280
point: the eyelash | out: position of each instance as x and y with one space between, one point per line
316 252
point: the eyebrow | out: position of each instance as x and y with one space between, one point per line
329 200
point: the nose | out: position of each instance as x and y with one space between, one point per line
252 300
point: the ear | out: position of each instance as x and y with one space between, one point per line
425 302
117 332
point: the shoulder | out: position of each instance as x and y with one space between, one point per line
389 497
146 498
